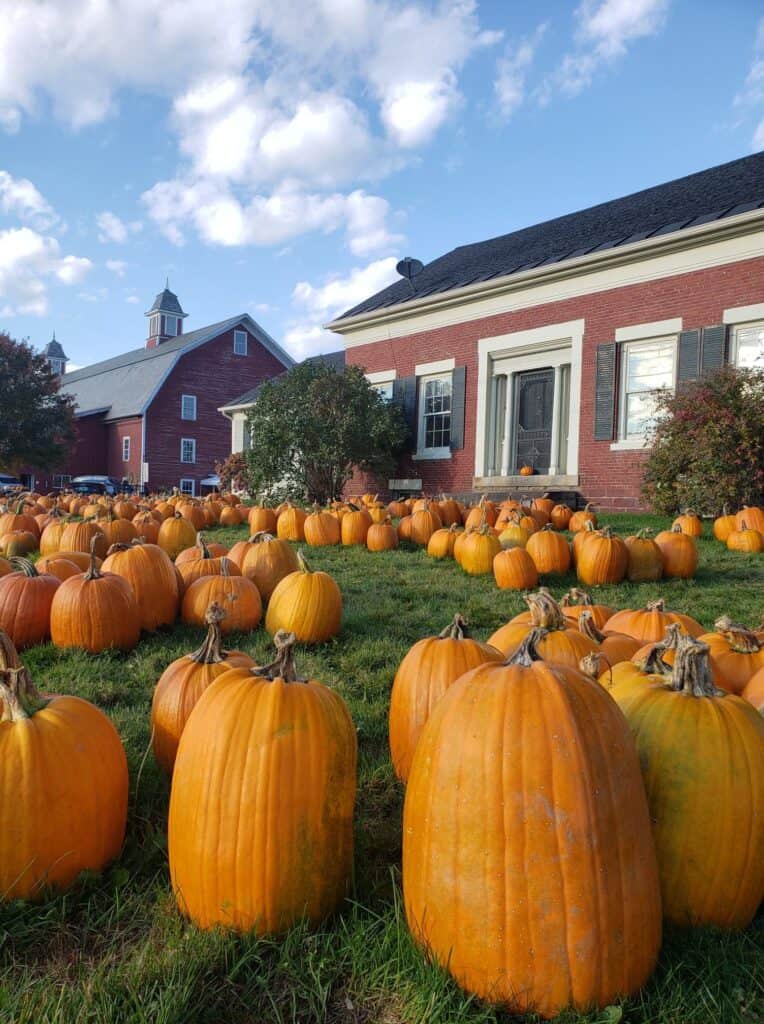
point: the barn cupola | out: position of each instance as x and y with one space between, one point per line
56 356
165 318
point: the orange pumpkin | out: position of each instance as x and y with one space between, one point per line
236 594
55 565
558 641
615 647
550 552
645 563
424 675
441 543
205 565
291 523
306 603
746 540
754 691
752 516
26 597
153 579
690 523
649 624
576 602
354 527
382 536
603 559
738 651
680 553
322 529
724 525
477 550
87 537
578 519
95 611
560 517
262 520
265 560
423 524
514 569
147 527
176 534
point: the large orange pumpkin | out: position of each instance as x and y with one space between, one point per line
477 550
550 552
645 563
153 579
558 641
689 522
322 529
205 565
306 603
87 537
183 682
513 569
424 523
528 862
752 516
649 624
724 525
702 757
238 857
261 520
441 543
738 652
291 523
382 536
578 519
95 611
355 525
265 560
680 553
746 540
63 785
176 534
576 601
424 675
603 559
26 597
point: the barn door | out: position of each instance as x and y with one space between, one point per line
534 403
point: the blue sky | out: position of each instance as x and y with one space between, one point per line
277 159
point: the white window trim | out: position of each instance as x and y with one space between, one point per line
623 443
433 369
743 314
167 317
381 376
423 453
556 344
188 480
733 343
237 334
126 445
646 332
154 325
188 440
182 400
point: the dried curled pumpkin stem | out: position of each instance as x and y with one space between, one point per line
576 597
19 698
93 573
590 665
545 611
282 667
456 630
692 669
260 537
655 606
588 627
739 637
210 652
527 652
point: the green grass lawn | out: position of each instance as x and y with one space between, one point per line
115 949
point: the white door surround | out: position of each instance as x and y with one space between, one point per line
556 346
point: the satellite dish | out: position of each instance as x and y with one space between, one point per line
409 267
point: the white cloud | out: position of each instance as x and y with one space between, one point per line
112 228
117 267
20 198
604 30
28 260
511 71
751 96
318 304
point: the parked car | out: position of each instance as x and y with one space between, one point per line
10 484
96 485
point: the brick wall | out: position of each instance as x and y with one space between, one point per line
612 479
216 376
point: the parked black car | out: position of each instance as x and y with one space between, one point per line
96 485
10 484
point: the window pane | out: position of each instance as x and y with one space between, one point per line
750 346
640 413
650 366
385 390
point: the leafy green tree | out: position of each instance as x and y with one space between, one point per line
313 425
36 420
708 445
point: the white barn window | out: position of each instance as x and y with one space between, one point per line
188 407
188 486
188 449
239 343
125 449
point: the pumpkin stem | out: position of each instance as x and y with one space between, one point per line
545 611
653 663
260 537
456 630
303 562
739 637
202 545
587 626
692 669
24 565
93 573
19 698
655 606
590 665
119 546
283 666
527 652
576 597
643 533
210 652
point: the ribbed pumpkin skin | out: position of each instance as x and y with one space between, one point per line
563 646
703 766
513 569
649 624
680 553
424 523
50 540
291 524
645 561
424 675
355 525
63 791
25 605
746 540
176 534
322 529
754 691
153 579
262 520
237 595
736 667
603 559
55 565
308 604
441 544
723 527
265 561
95 614
382 537
478 550
550 552
79 537
176 694
192 571
528 864
261 808
752 516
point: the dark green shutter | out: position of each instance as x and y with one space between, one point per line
689 356
604 392
458 386
404 392
712 352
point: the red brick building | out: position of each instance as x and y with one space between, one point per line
545 347
151 416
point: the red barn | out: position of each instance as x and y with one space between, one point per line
151 416
545 347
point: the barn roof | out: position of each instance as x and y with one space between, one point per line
126 384
695 199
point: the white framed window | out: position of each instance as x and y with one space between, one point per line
154 325
125 449
170 325
239 343
57 366
385 389
747 347
434 430
647 367
188 486
188 449
188 407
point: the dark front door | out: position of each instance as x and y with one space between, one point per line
534 400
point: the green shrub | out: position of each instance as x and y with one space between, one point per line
708 445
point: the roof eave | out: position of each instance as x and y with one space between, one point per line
739 224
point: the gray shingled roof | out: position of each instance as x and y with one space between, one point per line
719 192
125 384
167 302
53 350
335 359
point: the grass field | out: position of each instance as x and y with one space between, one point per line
116 950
